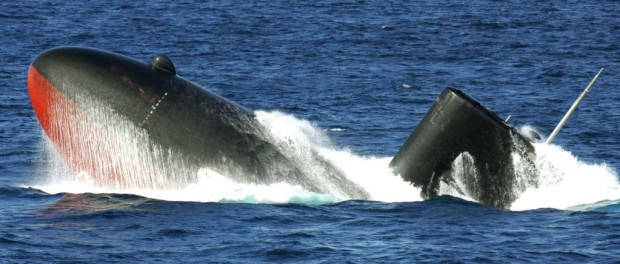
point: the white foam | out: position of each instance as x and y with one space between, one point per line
371 173
210 187
564 180
374 175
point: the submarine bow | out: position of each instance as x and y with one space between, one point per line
82 97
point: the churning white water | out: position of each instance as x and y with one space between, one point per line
563 180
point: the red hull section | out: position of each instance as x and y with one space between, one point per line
42 95
70 130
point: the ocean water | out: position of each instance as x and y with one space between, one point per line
350 79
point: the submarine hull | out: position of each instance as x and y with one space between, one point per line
71 87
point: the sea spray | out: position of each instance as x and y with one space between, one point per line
371 173
562 180
565 181
298 137
112 151
374 174
465 179
299 141
557 179
470 178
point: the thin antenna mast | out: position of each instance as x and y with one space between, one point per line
572 108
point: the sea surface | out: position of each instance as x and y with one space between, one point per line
351 79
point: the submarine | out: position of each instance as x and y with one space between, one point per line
69 88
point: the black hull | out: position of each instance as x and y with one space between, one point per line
202 128
455 124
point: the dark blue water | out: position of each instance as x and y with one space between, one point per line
365 72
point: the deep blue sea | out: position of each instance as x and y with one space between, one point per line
351 79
